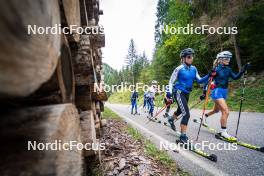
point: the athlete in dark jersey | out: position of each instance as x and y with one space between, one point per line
220 89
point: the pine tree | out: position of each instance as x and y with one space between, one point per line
131 59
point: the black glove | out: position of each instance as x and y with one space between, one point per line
212 73
168 95
245 67
170 100
202 97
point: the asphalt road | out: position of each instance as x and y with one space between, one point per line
242 161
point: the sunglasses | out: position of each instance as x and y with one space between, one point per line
226 59
189 57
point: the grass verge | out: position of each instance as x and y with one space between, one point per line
254 96
149 148
109 114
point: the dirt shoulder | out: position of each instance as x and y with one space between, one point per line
128 153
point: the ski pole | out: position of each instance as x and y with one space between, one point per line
205 103
158 107
241 100
162 109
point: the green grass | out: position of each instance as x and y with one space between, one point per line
160 155
152 151
134 133
150 148
254 97
120 97
109 114
124 98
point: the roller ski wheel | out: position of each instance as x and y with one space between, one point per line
220 136
213 157
261 149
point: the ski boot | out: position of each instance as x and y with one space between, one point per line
150 116
137 113
183 139
227 136
171 122
204 120
166 115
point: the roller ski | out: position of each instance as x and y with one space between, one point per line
151 118
136 113
230 139
187 144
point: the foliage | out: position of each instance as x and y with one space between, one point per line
247 15
254 96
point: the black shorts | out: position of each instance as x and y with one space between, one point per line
182 101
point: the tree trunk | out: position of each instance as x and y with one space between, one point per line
237 52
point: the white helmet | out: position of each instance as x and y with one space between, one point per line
154 82
224 54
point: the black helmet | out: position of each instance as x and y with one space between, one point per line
186 52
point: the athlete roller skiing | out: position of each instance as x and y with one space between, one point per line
146 106
134 99
167 101
151 97
219 89
181 83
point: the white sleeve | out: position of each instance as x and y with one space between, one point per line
174 77
198 76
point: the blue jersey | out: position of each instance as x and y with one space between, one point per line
185 76
223 73
134 96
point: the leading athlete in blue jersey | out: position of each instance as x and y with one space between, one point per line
181 83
